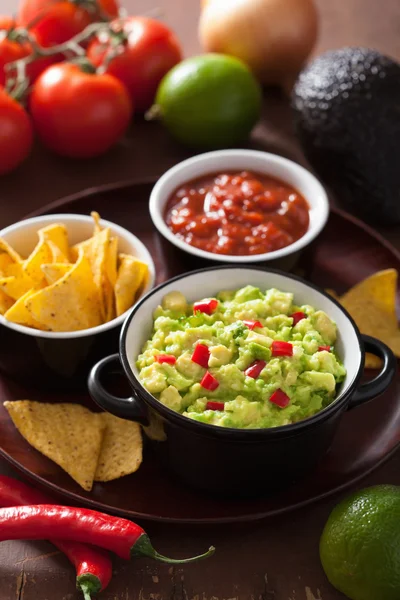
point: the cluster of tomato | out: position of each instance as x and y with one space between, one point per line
74 72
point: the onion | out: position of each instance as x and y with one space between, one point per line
273 37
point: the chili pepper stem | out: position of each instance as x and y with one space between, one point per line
86 592
88 584
143 548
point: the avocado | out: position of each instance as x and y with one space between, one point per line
346 107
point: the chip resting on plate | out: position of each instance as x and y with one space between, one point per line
69 434
372 304
62 288
122 448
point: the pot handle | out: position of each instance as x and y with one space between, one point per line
125 408
371 389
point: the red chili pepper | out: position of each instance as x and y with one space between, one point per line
280 399
282 349
93 565
253 324
322 348
215 405
41 522
298 316
255 368
208 382
170 359
201 355
205 306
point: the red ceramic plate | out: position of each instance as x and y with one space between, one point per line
346 252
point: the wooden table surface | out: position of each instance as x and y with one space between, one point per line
274 560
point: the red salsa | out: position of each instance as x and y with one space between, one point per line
239 213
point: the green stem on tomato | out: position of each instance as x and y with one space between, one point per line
82 37
118 39
76 49
18 86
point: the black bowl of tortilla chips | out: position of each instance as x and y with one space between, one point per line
66 284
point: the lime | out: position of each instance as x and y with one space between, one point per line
360 545
209 101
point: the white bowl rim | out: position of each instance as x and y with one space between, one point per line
121 232
270 158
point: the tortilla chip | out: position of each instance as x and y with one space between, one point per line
55 271
372 304
374 321
110 279
7 249
96 218
18 313
56 255
121 451
71 303
381 288
5 262
131 274
88 297
56 235
17 283
372 361
111 261
96 251
32 266
74 252
6 302
109 300
68 434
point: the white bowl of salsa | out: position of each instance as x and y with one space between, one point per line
239 206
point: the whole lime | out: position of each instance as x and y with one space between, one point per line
209 101
360 544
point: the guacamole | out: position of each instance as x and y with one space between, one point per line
244 359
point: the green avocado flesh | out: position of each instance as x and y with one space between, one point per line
309 377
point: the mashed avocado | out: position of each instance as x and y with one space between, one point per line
244 359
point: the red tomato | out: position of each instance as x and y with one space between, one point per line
16 133
77 113
149 51
12 49
57 21
6 22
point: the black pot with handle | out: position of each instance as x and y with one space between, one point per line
238 462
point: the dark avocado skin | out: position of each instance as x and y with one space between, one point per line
346 107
